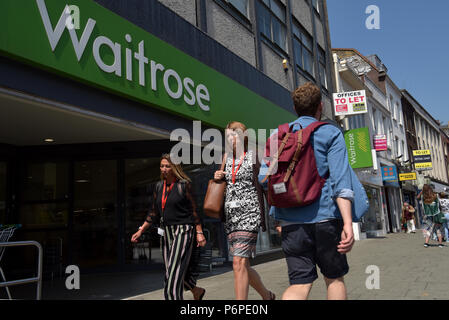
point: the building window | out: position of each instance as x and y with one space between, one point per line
322 67
303 46
390 104
240 5
316 5
398 150
395 111
272 21
404 152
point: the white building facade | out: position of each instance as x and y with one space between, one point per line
374 223
429 137
384 117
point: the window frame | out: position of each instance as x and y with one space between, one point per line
262 5
236 14
302 46
229 2
316 5
322 63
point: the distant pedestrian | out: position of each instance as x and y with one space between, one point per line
319 234
408 216
434 219
174 210
444 205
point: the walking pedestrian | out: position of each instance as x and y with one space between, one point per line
174 210
434 219
319 233
444 205
408 215
244 210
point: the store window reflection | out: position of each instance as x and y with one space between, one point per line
43 213
371 221
95 225
141 176
45 195
270 239
214 228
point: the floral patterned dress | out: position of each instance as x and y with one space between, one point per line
241 207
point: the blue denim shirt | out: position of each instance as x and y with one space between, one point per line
331 156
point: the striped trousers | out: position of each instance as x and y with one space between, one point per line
178 243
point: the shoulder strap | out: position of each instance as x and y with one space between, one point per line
280 149
299 144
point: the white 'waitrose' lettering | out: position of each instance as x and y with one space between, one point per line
192 95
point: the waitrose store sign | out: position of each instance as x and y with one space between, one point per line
111 53
358 146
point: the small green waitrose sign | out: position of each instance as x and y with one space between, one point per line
358 144
112 54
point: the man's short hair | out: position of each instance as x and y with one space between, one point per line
307 99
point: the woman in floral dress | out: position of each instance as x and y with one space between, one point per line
244 210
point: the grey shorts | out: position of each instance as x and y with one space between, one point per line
307 245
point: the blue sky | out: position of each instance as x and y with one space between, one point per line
412 42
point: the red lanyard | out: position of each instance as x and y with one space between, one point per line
234 173
164 198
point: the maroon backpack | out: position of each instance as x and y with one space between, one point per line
296 182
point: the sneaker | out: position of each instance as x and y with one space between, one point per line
440 246
425 245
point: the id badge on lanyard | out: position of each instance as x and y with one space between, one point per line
234 173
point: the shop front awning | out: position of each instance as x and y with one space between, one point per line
26 120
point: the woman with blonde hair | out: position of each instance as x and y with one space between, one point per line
434 219
175 210
244 210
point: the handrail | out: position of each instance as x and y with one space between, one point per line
37 279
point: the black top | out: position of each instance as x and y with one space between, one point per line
180 207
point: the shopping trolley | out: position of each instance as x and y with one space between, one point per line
6 232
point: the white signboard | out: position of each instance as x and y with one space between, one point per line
349 103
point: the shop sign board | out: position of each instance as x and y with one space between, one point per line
350 103
390 176
422 159
407 176
112 54
358 145
380 142
389 173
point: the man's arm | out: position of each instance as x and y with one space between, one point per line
340 176
347 236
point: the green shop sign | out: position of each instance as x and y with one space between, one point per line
84 41
359 148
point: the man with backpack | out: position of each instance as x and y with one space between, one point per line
311 194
